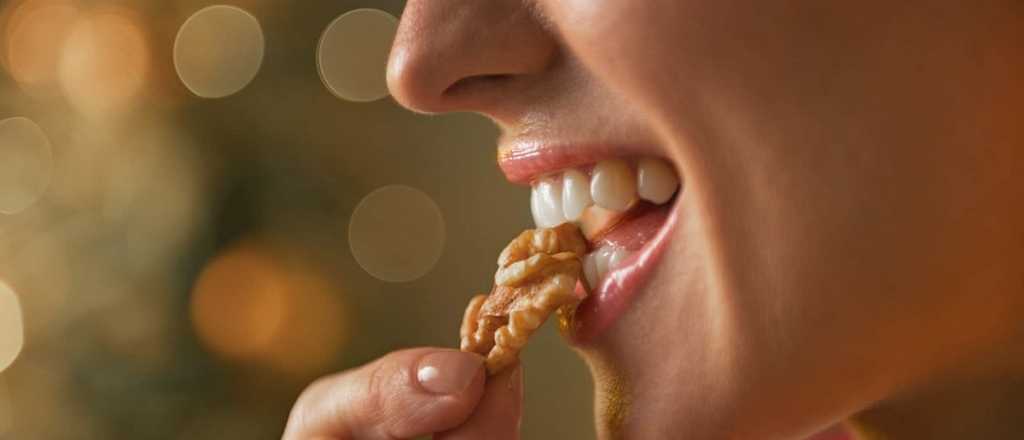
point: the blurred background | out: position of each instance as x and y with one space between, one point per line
204 206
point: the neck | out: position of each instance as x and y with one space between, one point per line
980 408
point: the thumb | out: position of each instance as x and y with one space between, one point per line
404 394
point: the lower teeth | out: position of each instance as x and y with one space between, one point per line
599 263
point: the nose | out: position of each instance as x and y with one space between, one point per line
456 55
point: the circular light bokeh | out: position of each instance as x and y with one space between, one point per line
35 33
352 56
105 62
254 305
397 233
239 303
25 164
11 331
218 51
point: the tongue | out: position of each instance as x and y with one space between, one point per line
639 227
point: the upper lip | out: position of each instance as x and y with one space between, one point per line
523 160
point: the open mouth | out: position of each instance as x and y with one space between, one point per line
624 207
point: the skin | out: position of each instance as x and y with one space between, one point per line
849 242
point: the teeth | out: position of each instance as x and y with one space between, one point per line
546 203
598 201
590 270
656 181
597 264
575 194
616 258
601 257
535 207
597 220
612 185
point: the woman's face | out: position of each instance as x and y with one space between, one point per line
847 178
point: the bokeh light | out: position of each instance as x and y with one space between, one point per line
34 35
316 329
253 305
105 62
218 51
184 267
397 233
353 54
12 333
239 303
26 164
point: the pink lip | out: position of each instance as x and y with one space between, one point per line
619 288
524 160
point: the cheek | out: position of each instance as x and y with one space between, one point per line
619 39
653 53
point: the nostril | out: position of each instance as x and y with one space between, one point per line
463 59
475 84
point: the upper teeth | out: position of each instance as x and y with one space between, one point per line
575 194
656 181
612 185
546 203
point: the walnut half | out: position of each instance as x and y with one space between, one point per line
537 275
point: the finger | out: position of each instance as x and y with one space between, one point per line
499 413
404 394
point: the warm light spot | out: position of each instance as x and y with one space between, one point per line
12 333
239 303
35 34
26 164
256 305
105 62
397 233
218 51
314 331
353 54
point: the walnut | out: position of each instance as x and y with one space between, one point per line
537 275
562 238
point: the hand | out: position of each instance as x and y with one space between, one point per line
411 393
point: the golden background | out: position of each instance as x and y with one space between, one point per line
185 266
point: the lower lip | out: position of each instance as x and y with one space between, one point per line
619 287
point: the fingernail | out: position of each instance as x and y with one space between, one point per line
448 372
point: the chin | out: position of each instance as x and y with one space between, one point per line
677 358
659 364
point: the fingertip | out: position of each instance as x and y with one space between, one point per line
510 382
449 372
499 413
517 392
516 377
450 385
404 394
